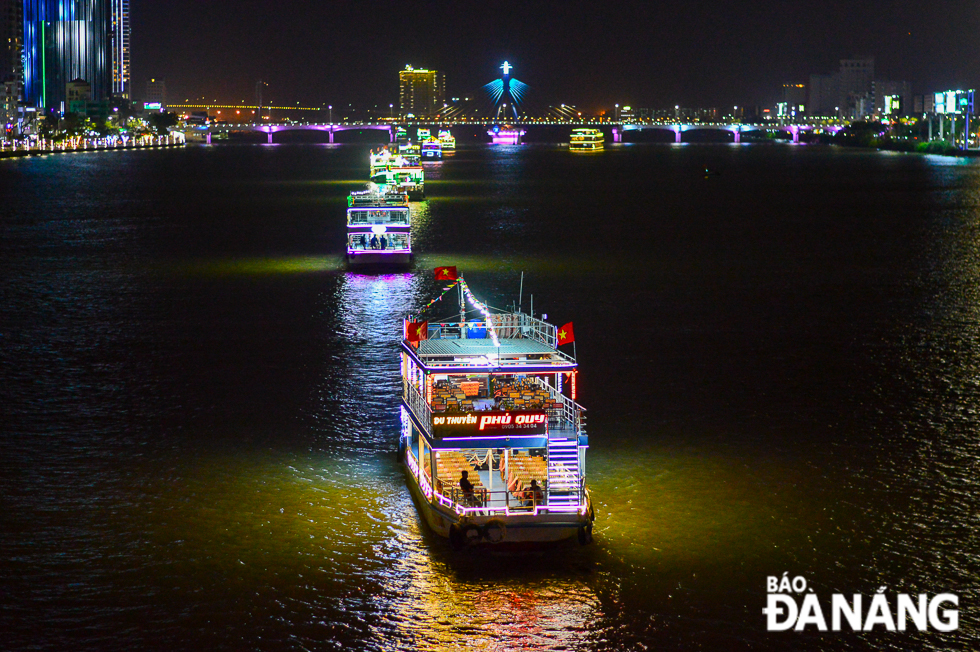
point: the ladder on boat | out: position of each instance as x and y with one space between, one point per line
563 468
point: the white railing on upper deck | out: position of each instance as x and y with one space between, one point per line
418 405
569 415
520 325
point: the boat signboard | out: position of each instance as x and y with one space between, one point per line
490 424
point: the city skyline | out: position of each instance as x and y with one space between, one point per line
708 54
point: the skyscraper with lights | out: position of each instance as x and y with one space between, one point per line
11 39
120 49
66 40
421 93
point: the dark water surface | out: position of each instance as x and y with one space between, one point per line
198 406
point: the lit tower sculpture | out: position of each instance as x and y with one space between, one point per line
506 94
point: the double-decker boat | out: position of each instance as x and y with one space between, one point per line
379 229
586 140
505 135
493 401
447 140
432 149
423 134
398 173
407 149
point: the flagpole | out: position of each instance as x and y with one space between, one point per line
462 309
520 295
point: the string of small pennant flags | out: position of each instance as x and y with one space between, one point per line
439 298
565 334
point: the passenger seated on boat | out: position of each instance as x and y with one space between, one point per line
534 495
469 497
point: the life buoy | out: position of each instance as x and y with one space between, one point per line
585 534
471 533
495 531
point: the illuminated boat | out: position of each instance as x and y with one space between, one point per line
397 173
423 134
586 140
432 149
407 149
379 229
505 135
493 398
447 140
381 159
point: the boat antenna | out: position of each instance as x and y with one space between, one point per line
520 295
532 306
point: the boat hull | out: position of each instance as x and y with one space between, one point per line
501 531
378 259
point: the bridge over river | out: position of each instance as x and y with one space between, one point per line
617 129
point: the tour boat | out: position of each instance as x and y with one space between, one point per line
586 140
493 398
432 149
397 173
422 134
447 140
505 135
379 229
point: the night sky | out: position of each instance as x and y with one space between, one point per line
696 53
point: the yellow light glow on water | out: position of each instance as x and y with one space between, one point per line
262 266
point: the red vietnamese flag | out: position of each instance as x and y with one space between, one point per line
416 331
446 273
565 334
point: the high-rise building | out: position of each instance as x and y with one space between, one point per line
892 97
856 86
794 96
156 93
824 96
11 68
65 41
11 40
120 49
421 93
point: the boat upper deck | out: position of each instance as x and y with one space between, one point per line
517 341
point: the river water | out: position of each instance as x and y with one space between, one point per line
781 363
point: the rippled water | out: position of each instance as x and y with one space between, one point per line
198 403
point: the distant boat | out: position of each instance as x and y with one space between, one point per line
505 135
586 140
379 229
447 140
432 149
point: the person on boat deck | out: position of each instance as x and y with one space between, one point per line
467 487
374 242
534 494
363 241
384 243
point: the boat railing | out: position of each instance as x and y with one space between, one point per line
568 415
503 502
396 215
416 402
509 325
